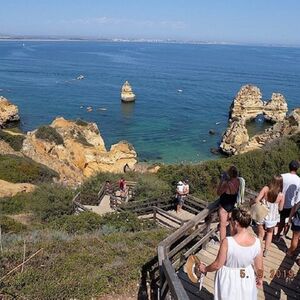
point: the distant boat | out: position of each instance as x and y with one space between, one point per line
89 109
127 94
179 91
80 77
217 123
102 108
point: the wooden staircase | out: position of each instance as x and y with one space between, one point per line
281 274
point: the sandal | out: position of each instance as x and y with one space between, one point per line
265 253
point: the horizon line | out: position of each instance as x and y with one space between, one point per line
55 37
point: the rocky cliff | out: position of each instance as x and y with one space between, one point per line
247 105
76 150
8 112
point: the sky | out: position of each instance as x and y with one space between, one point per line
236 21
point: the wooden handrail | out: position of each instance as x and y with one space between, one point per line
175 285
168 276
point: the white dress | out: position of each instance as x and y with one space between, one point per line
236 279
273 216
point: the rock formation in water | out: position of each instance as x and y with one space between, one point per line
127 94
77 151
247 105
8 112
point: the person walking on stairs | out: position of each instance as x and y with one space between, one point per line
239 263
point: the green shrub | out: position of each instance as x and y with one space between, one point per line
15 141
8 225
148 185
15 204
49 134
84 222
80 138
80 122
109 223
21 169
126 222
257 167
82 267
49 202
93 184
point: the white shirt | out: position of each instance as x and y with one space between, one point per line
291 185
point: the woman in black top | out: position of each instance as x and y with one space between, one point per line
228 191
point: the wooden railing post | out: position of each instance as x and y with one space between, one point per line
154 213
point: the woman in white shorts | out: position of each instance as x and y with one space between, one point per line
273 198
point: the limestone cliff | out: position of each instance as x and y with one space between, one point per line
235 137
81 152
8 112
247 105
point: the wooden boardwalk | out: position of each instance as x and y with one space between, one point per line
277 267
102 208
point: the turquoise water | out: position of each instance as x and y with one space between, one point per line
164 125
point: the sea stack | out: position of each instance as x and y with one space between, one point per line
8 112
127 94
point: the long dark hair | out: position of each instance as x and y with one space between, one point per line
275 187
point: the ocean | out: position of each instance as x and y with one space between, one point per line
164 125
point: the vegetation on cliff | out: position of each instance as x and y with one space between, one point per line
83 255
88 255
22 169
14 140
49 134
257 167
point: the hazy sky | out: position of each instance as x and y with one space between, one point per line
262 21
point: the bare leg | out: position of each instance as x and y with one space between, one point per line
294 242
261 232
280 228
223 216
269 235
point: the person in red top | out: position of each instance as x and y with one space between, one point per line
123 187
122 184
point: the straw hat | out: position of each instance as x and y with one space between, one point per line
258 212
191 268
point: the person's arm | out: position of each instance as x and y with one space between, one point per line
261 194
281 202
222 187
259 268
220 260
293 211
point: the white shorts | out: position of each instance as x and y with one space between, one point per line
268 224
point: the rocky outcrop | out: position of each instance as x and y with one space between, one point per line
127 94
8 189
235 137
81 153
247 105
276 109
8 112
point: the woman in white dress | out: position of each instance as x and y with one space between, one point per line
273 198
239 263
